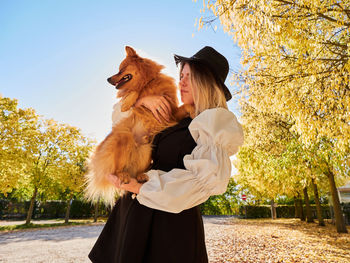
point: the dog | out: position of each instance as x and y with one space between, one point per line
126 151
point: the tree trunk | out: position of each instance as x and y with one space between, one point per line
302 214
96 212
273 210
296 208
69 203
338 214
301 210
31 207
309 218
318 205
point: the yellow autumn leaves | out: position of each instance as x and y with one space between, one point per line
295 92
39 156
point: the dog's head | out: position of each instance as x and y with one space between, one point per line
134 73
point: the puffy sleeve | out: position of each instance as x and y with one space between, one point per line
218 135
117 114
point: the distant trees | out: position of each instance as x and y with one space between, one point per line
39 156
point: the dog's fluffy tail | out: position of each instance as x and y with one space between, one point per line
96 191
97 185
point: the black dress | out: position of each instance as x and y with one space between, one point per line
135 233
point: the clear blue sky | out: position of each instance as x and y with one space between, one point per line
55 56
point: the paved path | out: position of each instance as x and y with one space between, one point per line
227 240
63 244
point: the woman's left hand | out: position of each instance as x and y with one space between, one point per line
133 186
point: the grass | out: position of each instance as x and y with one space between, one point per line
72 222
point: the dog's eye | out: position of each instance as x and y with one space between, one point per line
120 71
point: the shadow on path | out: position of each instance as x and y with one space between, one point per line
54 234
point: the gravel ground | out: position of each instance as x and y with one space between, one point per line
228 240
61 244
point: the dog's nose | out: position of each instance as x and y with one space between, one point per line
110 81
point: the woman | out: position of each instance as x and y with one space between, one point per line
190 163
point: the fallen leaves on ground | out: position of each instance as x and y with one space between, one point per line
280 240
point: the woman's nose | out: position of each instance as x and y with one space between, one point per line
182 82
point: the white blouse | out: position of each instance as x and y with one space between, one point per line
218 135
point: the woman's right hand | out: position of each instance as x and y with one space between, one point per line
158 105
133 186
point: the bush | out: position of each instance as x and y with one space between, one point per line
80 209
50 209
346 211
13 210
248 211
283 211
218 205
10 209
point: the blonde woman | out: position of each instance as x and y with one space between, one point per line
190 164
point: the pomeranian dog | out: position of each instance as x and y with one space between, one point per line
126 151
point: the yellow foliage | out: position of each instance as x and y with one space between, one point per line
39 153
295 57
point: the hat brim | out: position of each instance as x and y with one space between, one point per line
180 59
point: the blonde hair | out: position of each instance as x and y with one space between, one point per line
206 91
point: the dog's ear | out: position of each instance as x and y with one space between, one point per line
130 51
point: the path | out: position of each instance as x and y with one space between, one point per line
228 240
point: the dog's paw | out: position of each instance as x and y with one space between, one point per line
184 111
124 177
142 178
189 109
146 139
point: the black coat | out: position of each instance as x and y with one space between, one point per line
135 233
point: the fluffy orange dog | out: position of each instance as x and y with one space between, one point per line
126 151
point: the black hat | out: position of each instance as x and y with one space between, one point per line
216 63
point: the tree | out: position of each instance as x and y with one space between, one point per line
273 161
73 167
318 205
334 165
296 63
16 129
39 156
264 162
44 156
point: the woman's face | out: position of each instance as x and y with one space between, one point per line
185 85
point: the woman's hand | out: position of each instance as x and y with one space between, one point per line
133 186
158 105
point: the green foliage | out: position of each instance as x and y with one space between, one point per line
225 204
